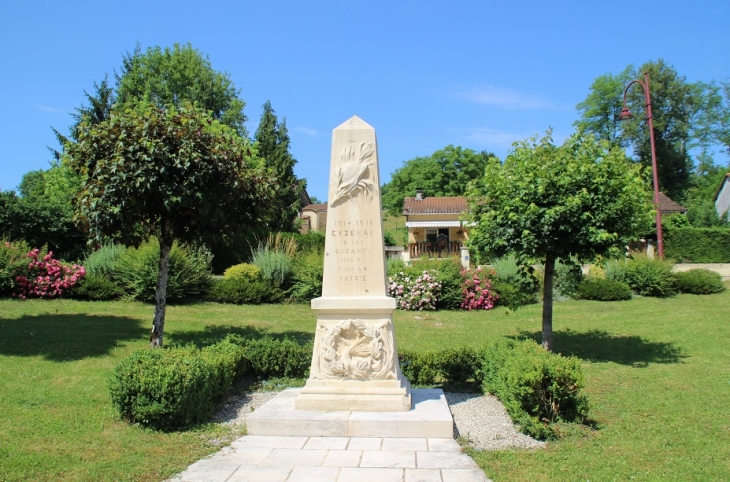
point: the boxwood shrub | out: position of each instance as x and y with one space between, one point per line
602 289
539 389
238 290
270 357
453 365
699 282
172 388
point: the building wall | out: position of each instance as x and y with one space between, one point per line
317 220
722 203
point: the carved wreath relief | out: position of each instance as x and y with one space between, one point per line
355 172
355 350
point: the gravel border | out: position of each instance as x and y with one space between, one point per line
479 419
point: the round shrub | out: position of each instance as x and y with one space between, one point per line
510 295
448 274
650 277
415 292
699 282
538 388
245 271
96 288
601 289
477 291
238 291
171 388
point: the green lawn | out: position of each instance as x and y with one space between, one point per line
657 373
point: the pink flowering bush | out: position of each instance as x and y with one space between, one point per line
415 292
47 277
477 291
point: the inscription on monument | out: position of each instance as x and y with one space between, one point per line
353 242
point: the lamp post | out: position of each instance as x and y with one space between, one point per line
625 114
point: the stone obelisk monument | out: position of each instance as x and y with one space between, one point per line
355 360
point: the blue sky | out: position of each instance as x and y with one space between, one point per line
425 74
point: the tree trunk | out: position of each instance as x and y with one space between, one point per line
547 303
158 322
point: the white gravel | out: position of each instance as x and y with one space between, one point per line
483 421
480 419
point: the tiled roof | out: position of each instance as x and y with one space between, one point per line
315 207
434 205
666 205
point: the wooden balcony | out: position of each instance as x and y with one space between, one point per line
443 249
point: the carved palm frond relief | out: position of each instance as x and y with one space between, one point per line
355 172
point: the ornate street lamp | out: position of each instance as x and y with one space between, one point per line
625 115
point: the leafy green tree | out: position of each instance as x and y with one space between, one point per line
176 173
171 77
33 184
599 113
545 203
272 142
713 123
676 106
445 173
40 222
98 109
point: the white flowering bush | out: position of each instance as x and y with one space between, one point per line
415 292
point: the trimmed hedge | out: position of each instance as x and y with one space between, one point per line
455 365
270 357
539 389
698 245
602 289
172 388
699 282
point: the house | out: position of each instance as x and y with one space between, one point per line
434 227
722 198
313 217
668 206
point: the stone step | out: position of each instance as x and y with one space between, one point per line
429 417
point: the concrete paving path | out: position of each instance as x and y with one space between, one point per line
336 459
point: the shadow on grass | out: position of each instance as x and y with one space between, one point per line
600 346
213 334
67 337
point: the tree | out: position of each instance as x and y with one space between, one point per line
599 113
171 77
176 173
272 142
545 203
676 105
100 105
445 173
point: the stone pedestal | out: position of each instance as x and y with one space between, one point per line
355 359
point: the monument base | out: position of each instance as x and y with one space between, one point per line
430 417
369 396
